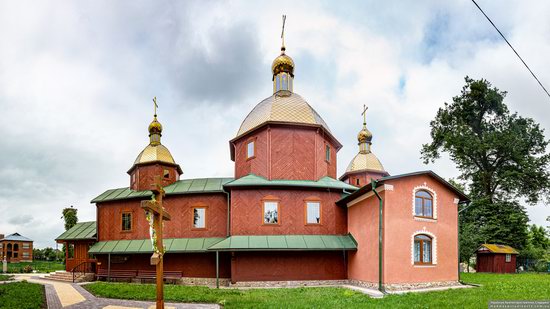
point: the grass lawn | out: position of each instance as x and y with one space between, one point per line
5 277
39 266
22 295
495 287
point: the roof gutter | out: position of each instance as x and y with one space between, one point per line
380 247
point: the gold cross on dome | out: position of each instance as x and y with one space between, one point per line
364 113
283 30
156 105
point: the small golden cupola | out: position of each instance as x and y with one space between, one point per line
157 155
365 165
283 69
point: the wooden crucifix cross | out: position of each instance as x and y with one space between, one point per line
154 210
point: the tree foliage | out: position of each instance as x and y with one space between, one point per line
502 159
502 155
70 217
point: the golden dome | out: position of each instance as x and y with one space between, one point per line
153 153
155 127
364 135
287 108
283 63
365 161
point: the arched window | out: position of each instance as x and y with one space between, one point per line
423 204
422 249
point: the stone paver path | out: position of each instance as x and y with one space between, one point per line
73 296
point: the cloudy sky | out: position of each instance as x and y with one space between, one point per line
77 78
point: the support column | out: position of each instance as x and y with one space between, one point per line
217 269
109 267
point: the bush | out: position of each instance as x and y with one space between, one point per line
541 267
27 269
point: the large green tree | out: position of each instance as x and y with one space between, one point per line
501 156
70 217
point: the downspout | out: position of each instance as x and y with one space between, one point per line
380 248
458 237
228 211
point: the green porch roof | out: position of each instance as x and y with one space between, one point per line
173 245
81 231
286 243
185 186
252 180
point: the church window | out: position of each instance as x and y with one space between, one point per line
423 204
271 212
199 217
327 153
166 174
250 149
126 221
357 181
70 251
313 212
422 249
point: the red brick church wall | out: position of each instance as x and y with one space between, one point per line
180 208
247 212
282 266
194 265
296 153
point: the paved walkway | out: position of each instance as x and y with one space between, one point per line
73 296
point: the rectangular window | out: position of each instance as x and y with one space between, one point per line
70 251
313 212
166 174
271 212
327 153
508 258
126 221
26 246
25 254
250 150
199 217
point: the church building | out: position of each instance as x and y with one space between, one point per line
285 217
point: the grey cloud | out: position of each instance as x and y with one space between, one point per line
21 220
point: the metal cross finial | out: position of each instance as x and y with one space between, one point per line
156 105
364 113
283 31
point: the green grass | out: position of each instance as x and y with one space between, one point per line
5 277
528 286
22 295
39 266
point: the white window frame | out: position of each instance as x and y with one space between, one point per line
253 143
424 187
307 212
434 247
508 258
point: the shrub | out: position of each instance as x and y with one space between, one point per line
27 269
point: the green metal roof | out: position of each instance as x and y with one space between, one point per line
81 231
185 186
286 243
252 180
173 245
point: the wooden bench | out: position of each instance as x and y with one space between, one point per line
152 275
118 274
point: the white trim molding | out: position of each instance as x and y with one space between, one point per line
456 201
434 194
368 194
434 245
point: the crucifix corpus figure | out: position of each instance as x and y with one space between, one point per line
156 215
